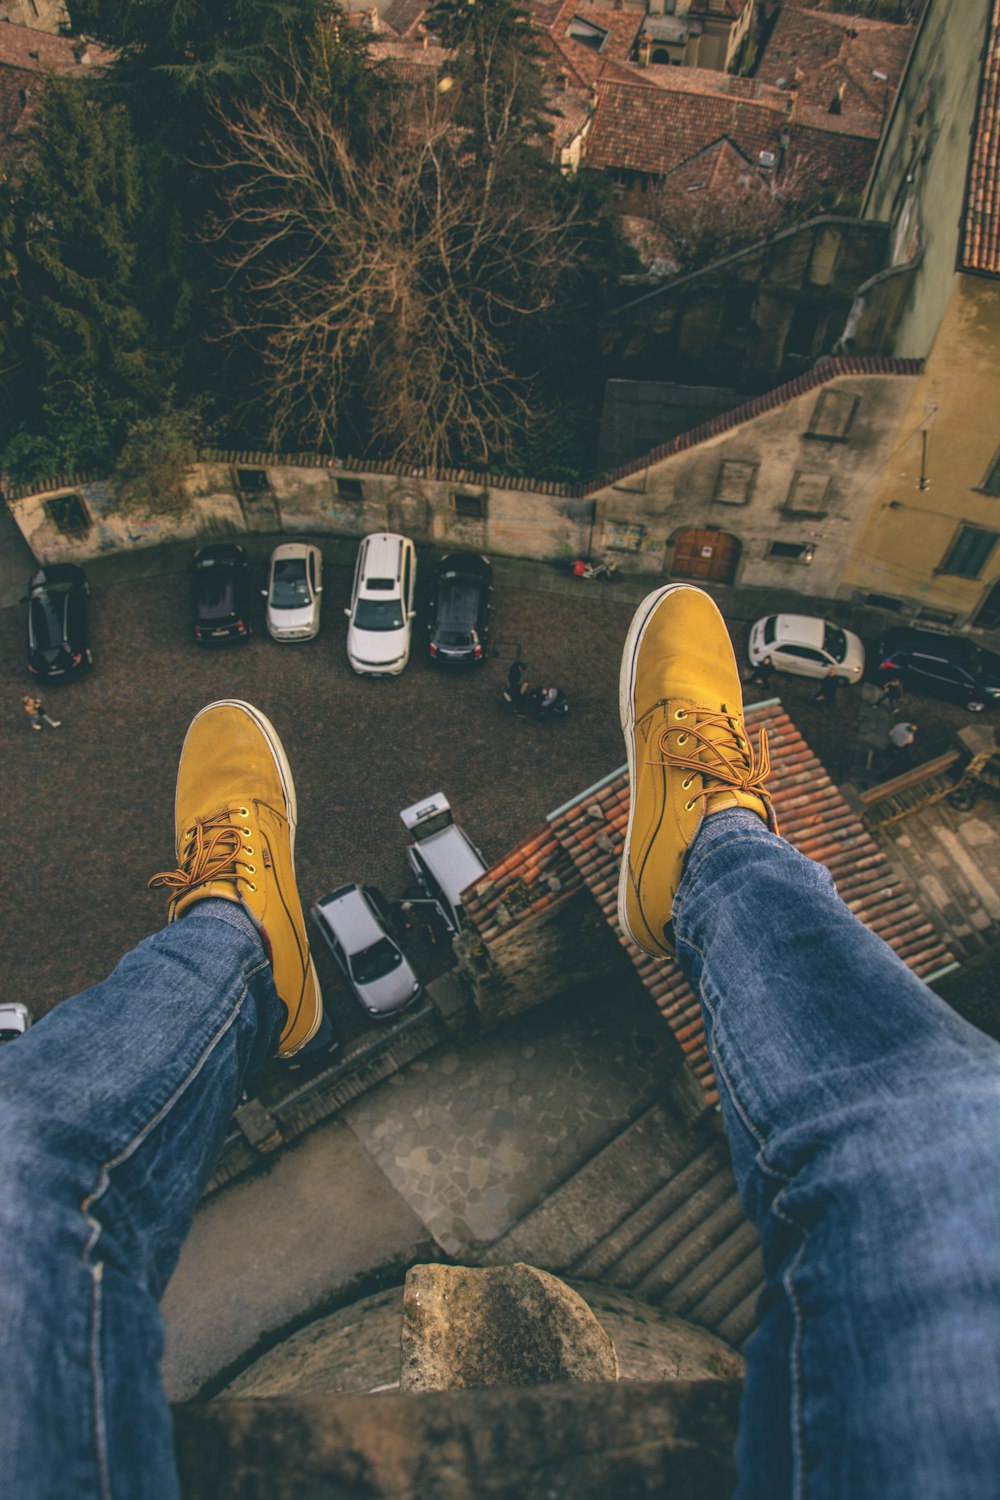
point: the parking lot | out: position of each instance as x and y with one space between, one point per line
88 807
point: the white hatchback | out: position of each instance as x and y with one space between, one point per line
807 646
294 589
352 923
380 615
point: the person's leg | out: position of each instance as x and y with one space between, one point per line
864 1119
112 1112
863 1116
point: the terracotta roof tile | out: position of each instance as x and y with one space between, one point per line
823 56
818 821
979 249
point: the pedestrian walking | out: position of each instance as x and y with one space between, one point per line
826 693
891 695
761 673
901 737
516 684
35 709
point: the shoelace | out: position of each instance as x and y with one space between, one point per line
736 767
212 850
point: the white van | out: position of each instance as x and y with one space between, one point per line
381 611
445 861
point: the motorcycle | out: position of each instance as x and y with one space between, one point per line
584 567
539 703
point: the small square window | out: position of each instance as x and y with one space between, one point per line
349 489
808 492
623 536
832 416
792 551
927 616
68 513
734 482
471 506
969 552
252 481
884 601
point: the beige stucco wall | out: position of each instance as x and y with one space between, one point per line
957 401
545 522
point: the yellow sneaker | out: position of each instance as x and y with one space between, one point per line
235 831
688 754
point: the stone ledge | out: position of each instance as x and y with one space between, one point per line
580 1442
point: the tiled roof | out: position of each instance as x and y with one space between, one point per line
582 844
403 15
655 130
820 55
979 249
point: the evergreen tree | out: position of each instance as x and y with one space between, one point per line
94 305
496 72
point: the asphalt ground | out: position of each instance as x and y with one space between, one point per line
87 809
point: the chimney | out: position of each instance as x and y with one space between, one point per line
837 102
645 49
373 21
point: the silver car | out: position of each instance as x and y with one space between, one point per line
293 593
353 927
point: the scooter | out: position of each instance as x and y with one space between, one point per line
585 568
539 703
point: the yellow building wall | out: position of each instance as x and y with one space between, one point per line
956 401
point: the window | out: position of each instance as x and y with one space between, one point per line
349 489
802 330
68 513
737 308
794 551
471 506
969 552
623 536
734 482
252 481
991 484
832 416
927 616
808 492
587 33
884 601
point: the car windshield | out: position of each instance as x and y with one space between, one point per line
375 962
379 614
46 624
835 643
289 585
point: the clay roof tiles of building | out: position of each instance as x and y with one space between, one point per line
587 835
403 15
979 249
823 51
655 130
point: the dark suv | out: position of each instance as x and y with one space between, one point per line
458 622
58 625
220 594
949 666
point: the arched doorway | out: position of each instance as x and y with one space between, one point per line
707 555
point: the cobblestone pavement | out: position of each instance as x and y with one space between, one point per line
87 809
473 1140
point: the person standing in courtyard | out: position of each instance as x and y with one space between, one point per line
35 709
891 695
826 693
900 743
761 674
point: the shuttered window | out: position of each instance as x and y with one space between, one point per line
832 416
969 552
734 482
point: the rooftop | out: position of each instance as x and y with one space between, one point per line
830 59
979 244
581 845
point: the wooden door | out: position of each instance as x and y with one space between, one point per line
705 554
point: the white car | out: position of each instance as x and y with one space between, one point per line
293 593
807 646
442 856
353 927
15 1019
380 614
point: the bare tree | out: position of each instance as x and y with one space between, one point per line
397 272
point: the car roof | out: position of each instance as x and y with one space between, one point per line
351 918
803 630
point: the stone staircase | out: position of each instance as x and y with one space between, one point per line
655 1213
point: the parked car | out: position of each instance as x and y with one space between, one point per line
443 858
380 613
458 625
58 622
807 646
15 1019
948 666
352 923
220 594
294 590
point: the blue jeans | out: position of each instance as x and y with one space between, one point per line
113 1109
863 1117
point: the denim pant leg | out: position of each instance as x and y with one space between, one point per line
864 1121
113 1109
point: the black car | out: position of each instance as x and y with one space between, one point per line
220 594
58 624
458 625
949 666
